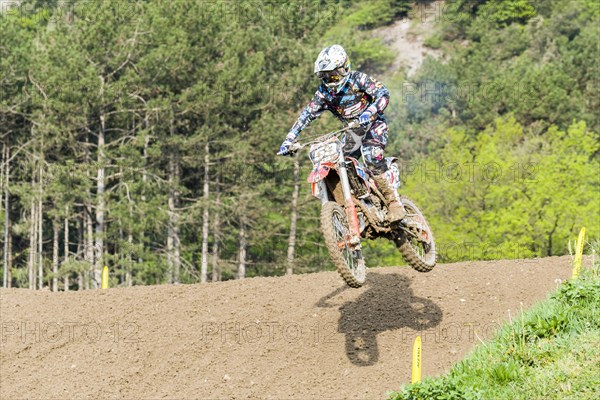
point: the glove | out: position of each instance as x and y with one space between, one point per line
365 118
284 149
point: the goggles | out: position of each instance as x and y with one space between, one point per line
330 76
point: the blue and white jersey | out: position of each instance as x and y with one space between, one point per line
359 93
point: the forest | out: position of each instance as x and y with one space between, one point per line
141 135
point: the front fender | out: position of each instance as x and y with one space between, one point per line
319 190
320 172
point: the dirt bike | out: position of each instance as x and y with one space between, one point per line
353 208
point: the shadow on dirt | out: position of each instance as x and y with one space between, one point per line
387 304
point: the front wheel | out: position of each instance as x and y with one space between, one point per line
417 245
348 260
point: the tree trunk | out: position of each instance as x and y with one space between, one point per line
40 234
4 161
170 255
5 183
294 217
89 246
100 206
204 267
129 266
31 262
81 243
144 180
129 260
216 271
9 262
241 272
66 248
87 231
119 250
55 256
173 257
40 214
5 180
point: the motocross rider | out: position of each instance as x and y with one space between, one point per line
351 96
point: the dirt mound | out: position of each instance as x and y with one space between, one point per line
305 336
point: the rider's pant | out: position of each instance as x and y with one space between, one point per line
373 146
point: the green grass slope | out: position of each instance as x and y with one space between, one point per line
550 352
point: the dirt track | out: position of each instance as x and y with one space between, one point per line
301 337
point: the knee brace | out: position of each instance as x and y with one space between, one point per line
374 159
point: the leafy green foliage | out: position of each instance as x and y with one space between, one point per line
515 91
161 90
430 389
505 372
504 13
375 13
508 194
534 60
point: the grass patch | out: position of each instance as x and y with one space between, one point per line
550 352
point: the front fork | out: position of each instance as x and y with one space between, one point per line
351 213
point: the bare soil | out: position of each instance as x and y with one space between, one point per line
406 38
298 337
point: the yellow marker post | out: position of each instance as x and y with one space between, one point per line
416 364
578 254
105 278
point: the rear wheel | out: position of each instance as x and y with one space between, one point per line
418 246
348 260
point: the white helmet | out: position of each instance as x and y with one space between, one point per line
333 66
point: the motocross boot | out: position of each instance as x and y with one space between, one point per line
396 211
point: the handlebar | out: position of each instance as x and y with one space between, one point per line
295 147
